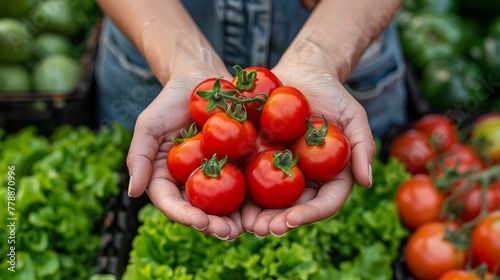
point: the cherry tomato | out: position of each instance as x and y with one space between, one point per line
414 149
217 187
226 134
418 201
323 150
261 144
459 274
429 255
255 81
186 154
205 99
273 179
473 201
440 128
283 118
495 190
485 240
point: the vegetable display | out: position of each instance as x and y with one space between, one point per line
361 241
454 53
452 206
265 130
61 185
45 41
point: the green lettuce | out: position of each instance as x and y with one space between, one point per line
360 241
63 182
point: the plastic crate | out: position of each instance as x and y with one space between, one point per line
119 229
48 109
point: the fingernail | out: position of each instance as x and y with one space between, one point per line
260 237
277 235
221 238
129 186
199 229
370 174
231 240
290 226
249 231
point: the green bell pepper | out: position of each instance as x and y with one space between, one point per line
441 6
454 84
491 52
432 36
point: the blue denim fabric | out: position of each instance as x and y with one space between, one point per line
247 33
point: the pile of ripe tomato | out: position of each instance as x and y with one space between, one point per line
253 137
451 202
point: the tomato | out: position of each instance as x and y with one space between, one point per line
254 81
283 118
228 134
323 150
205 99
495 190
217 187
414 149
261 144
485 135
461 158
418 201
459 274
186 154
273 179
485 240
429 255
440 128
473 201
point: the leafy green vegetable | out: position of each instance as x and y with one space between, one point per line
360 241
62 183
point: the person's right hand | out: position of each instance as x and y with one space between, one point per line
154 129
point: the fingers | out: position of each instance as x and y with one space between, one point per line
142 152
363 148
330 197
314 205
167 197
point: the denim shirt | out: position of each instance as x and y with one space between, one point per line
247 33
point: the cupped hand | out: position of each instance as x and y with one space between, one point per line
328 98
146 160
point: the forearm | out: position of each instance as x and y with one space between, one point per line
338 32
163 32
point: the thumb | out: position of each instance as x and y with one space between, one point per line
143 149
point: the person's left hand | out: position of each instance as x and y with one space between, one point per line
330 99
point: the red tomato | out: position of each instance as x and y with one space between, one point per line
414 149
273 179
217 187
204 102
429 255
459 274
418 201
459 159
255 81
473 202
283 118
323 150
440 128
227 136
184 158
260 145
485 240
495 190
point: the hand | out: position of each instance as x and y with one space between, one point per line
329 98
154 129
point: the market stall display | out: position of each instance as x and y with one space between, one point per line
55 190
